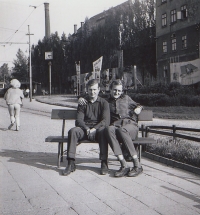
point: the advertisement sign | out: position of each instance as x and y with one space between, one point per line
186 73
97 67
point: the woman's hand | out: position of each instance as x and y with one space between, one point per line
82 101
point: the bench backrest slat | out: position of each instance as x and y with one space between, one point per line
63 114
145 115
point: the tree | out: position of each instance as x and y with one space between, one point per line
4 75
20 66
92 41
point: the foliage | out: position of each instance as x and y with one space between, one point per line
20 66
137 23
172 89
4 75
154 99
160 99
182 151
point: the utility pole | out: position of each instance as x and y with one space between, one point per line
120 55
30 67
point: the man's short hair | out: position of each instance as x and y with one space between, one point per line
116 82
93 82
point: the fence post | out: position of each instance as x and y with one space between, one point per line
146 135
147 131
174 133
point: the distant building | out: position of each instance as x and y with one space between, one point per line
178 39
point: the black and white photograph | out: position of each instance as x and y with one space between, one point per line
100 107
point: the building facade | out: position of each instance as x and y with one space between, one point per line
177 40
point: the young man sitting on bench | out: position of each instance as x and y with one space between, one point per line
92 118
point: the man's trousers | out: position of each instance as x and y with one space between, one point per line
122 135
77 134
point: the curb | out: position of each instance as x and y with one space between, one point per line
51 103
172 163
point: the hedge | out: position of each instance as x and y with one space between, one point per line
160 99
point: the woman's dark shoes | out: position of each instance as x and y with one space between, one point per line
70 168
135 171
122 172
10 126
104 167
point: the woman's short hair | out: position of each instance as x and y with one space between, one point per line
116 82
15 83
93 82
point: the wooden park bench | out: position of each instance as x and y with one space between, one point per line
64 114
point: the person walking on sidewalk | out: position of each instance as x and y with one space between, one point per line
13 98
91 121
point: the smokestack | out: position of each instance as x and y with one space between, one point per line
75 29
82 23
47 20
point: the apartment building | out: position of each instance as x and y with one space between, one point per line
178 41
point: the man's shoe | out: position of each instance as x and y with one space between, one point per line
10 126
104 167
70 168
135 171
122 172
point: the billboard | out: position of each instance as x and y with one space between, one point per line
97 67
186 73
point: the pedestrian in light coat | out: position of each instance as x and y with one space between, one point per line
13 98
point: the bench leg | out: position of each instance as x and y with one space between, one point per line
140 152
61 152
59 155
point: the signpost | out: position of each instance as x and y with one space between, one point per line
78 73
49 56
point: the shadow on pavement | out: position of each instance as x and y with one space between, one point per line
47 161
3 129
189 196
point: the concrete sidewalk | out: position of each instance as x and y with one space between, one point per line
32 184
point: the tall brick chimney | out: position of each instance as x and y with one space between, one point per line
75 29
47 20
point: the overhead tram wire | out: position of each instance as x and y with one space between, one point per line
9 38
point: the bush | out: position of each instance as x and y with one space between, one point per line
161 94
150 99
182 151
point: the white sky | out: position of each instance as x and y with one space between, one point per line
16 15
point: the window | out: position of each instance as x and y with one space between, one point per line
164 19
184 42
164 47
163 1
184 14
173 16
173 44
165 71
